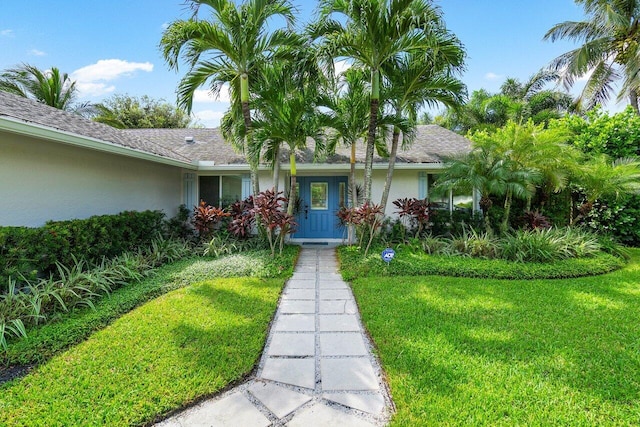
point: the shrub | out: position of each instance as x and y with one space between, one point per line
242 218
548 245
416 212
268 208
474 244
206 217
32 253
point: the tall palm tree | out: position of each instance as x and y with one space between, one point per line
230 48
50 87
417 80
347 116
375 32
609 51
287 113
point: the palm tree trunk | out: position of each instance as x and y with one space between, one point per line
276 169
246 114
371 135
507 209
354 191
392 164
292 193
633 100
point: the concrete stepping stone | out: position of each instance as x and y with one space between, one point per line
334 294
297 306
298 372
295 323
338 307
304 275
320 415
292 344
342 344
339 323
302 284
332 284
296 293
349 374
279 400
370 403
231 411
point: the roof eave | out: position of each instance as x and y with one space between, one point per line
22 127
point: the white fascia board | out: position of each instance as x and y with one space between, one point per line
43 132
316 167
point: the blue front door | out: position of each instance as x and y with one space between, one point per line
320 199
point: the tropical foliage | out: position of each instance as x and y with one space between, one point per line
609 51
230 47
50 87
132 112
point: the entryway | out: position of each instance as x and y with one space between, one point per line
320 199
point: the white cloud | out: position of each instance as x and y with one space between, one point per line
110 69
6 33
493 76
204 95
94 89
209 118
92 79
36 52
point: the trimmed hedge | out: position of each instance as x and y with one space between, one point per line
33 252
409 263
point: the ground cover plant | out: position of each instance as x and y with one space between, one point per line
187 344
461 351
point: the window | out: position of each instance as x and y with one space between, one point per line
209 189
319 195
231 190
220 191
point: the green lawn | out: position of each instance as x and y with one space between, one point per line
461 351
183 345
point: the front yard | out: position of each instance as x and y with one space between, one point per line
464 351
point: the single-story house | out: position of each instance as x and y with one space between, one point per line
55 165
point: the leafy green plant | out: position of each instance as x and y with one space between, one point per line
218 246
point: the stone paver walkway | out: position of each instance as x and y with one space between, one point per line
317 368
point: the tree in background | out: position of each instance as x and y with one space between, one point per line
131 112
609 52
49 87
517 101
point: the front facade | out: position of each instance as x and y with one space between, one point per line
55 165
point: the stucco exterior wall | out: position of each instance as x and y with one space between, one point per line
43 180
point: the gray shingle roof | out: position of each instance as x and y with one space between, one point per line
432 143
31 111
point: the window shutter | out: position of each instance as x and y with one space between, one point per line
246 186
189 190
423 184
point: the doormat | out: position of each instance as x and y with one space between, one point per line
316 243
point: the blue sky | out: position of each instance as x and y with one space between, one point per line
112 47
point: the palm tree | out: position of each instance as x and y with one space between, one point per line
417 80
609 50
50 87
375 32
231 48
479 170
347 117
287 113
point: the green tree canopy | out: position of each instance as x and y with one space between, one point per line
131 112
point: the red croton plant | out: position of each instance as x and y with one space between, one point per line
205 218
